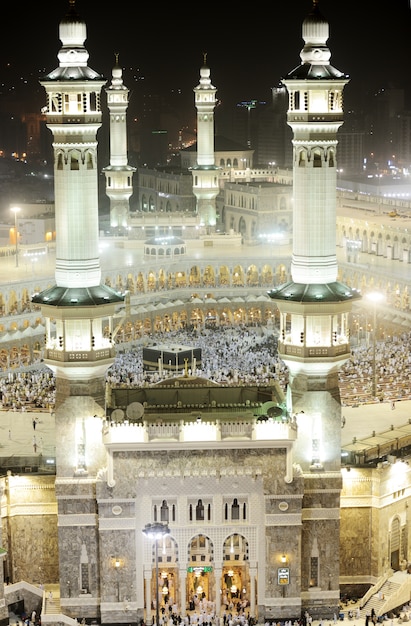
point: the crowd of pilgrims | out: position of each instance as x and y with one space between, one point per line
229 355
202 612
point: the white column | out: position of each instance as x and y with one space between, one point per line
218 572
147 580
183 591
253 574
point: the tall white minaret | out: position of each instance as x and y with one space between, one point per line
205 173
314 307
119 175
78 309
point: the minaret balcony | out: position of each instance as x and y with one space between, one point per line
314 117
313 352
80 356
84 118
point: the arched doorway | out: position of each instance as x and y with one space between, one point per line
235 583
201 588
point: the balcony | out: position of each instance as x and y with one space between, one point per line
79 356
199 435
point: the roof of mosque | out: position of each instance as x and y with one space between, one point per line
323 292
78 296
77 72
313 71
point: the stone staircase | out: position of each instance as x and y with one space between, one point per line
388 594
51 600
51 607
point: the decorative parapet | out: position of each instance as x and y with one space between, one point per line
180 435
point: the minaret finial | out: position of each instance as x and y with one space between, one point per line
204 58
116 55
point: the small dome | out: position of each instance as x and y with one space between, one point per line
315 28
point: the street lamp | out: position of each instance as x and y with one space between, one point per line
375 298
156 531
15 210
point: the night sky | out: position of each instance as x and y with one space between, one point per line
249 47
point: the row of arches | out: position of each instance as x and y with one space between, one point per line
202 583
235 509
317 157
379 243
17 300
199 277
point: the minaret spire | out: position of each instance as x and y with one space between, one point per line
73 115
78 310
314 307
205 177
119 175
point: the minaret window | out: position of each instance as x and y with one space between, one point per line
60 161
200 511
90 164
72 103
317 159
302 158
74 161
164 511
56 103
93 102
235 510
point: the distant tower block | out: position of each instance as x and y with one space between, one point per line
119 175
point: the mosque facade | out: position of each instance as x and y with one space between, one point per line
252 507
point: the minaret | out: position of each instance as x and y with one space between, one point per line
119 175
79 347
314 307
205 173
78 309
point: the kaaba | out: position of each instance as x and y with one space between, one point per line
171 357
